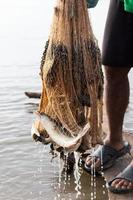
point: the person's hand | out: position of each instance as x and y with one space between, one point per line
91 3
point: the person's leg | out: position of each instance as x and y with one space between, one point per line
116 101
117 51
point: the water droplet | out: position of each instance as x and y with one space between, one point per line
77 174
104 192
58 195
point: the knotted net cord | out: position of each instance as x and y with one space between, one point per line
72 79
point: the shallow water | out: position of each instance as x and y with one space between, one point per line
26 170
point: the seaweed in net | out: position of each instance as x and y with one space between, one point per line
43 57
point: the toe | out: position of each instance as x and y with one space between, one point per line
93 162
88 161
97 163
120 184
130 186
126 183
115 182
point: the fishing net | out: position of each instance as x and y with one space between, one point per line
72 79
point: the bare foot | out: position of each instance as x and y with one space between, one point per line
122 183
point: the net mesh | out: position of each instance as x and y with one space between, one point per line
72 79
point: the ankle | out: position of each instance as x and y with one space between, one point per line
117 144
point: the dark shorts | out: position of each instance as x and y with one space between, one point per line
117 50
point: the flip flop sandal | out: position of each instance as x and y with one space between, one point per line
127 174
108 155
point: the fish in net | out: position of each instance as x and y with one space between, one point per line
72 79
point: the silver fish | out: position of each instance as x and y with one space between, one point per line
55 134
37 137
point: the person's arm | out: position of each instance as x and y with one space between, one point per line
91 3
